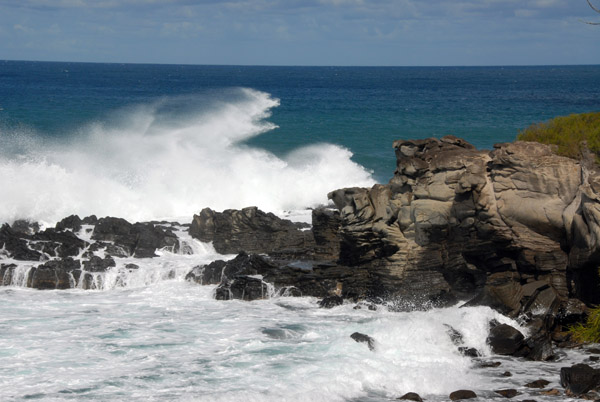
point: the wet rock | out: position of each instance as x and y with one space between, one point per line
469 352
579 379
505 340
251 230
411 396
455 336
507 374
551 392
6 273
507 393
57 243
56 274
140 240
16 245
243 288
541 383
331 301
97 264
489 364
462 394
362 338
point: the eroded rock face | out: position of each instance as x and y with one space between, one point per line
516 228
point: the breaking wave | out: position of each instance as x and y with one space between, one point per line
168 159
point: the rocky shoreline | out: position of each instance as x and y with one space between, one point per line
516 228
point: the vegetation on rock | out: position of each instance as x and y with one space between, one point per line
568 134
590 331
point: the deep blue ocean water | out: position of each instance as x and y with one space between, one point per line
362 109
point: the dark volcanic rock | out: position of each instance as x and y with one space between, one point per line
57 243
462 394
56 274
579 379
243 288
252 231
139 240
469 352
411 396
505 340
72 222
97 264
326 232
16 244
331 301
25 227
6 273
362 338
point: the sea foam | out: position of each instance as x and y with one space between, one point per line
168 159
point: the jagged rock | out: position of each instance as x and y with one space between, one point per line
331 301
58 243
16 244
462 394
507 393
243 287
411 396
72 222
579 379
515 228
505 340
253 231
455 336
55 274
362 338
97 264
139 240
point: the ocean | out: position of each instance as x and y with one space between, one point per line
154 142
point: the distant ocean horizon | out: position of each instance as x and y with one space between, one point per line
107 137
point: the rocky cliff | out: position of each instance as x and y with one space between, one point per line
516 228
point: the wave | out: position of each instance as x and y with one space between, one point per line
168 159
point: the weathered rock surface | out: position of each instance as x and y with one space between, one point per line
362 338
253 231
516 228
462 394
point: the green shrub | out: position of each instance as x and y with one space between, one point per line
567 133
590 331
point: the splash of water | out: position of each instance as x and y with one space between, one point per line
168 159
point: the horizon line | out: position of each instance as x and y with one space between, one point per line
303 65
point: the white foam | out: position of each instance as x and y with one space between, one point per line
151 162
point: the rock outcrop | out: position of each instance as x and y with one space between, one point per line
516 228
253 231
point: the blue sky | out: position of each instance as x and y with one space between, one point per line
302 32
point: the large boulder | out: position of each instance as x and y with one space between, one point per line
579 379
505 340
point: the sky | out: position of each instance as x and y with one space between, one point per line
302 32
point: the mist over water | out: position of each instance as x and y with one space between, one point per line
169 159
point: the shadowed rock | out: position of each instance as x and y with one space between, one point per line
579 379
462 394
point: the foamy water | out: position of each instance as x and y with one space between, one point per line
147 334
157 161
